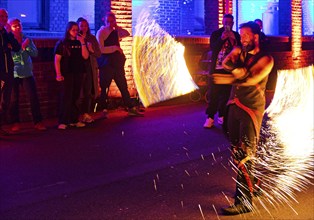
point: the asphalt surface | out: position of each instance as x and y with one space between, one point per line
164 165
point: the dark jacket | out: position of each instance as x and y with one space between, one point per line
216 45
7 44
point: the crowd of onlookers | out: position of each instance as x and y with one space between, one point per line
82 62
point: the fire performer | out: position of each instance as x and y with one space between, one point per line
250 67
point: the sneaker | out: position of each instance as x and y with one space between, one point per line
209 123
105 113
220 120
78 124
40 126
134 112
87 118
62 127
16 127
235 209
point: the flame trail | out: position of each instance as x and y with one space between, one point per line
159 68
286 149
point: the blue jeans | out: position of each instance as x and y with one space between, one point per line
29 87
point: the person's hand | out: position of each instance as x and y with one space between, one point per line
80 38
90 47
225 35
25 43
7 26
59 78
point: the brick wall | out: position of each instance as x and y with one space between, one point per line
3 4
211 16
101 6
58 15
187 17
284 18
169 16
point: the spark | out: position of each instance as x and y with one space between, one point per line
155 185
182 204
187 155
185 148
200 208
159 68
214 157
187 173
95 107
215 211
202 156
157 176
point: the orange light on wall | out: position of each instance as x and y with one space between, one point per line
296 30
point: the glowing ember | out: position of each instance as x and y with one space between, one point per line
159 68
285 154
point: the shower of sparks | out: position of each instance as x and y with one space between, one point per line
285 156
159 67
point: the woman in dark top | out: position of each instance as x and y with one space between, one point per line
70 53
90 82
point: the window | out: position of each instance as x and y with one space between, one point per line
32 13
82 8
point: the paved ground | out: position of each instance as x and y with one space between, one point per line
161 166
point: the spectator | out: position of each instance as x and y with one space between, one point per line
111 63
90 87
23 76
263 38
7 44
221 43
70 53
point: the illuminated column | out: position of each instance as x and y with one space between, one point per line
296 30
228 6
221 12
224 7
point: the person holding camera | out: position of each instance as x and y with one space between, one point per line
222 42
